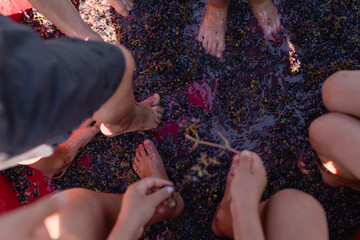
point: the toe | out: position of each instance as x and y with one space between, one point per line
135 164
158 109
154 99
205 43
221 49
159 116
142 151
149 147
137 153
201 35
245 161
214 49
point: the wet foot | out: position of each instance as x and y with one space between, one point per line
148 163
122 6
56 165
212 30
147 115
267 16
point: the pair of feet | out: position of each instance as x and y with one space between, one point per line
213 27
148 115
245 184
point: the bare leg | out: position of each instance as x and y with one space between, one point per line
65 16
213 27
335 138
289 214
120 114
267 16
56 165
86 215
341 93
148 163
292 214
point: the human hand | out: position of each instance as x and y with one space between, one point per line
249 180
139 204
28 223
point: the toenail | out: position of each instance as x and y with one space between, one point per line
147 141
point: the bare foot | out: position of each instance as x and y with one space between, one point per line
221 224
148 163
56 165
148 115
334 180
267 16
213 28
122 6
245 184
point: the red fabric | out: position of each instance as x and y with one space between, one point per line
357 235
14 8
8 199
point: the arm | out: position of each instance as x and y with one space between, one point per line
64 15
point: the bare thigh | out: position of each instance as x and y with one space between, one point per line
295 215
341 93
88 214
336 139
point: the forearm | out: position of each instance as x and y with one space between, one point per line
64 15
125 230
246 223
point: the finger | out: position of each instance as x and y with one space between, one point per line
147 184
37 212
160 195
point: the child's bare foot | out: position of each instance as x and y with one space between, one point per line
245 184
148 115
56 165
148 163
267 16
213 28
122 6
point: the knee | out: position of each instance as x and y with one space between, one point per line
297 203
79 199
318 132
330 89
129 59
322 130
